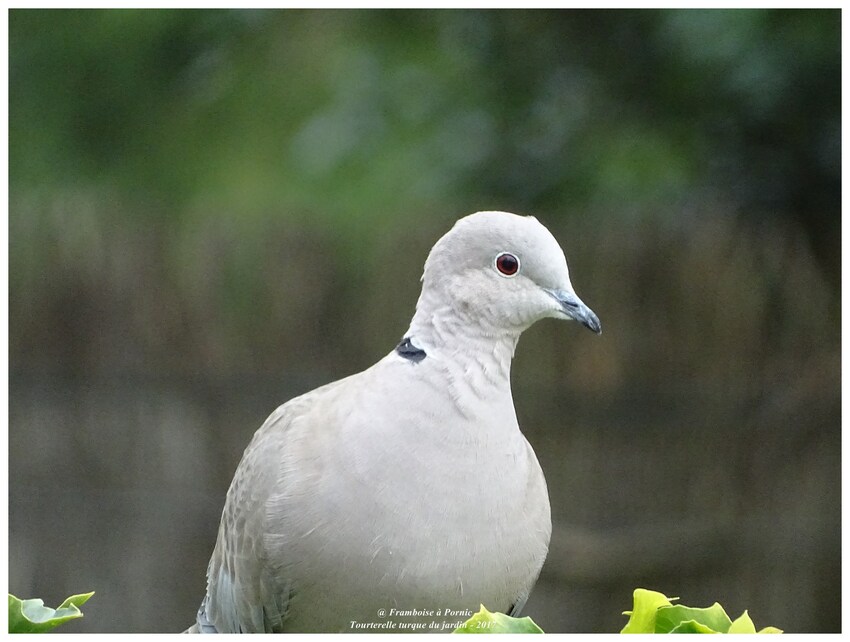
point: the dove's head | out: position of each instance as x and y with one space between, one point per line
500 271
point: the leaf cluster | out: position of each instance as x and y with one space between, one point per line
654 612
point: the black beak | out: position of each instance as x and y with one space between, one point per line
574 308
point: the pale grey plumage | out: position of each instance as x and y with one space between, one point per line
408 485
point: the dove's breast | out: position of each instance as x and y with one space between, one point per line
428 508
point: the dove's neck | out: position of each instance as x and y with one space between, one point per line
474 353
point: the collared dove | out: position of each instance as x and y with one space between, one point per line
403 497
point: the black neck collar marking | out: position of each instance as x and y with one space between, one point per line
409 351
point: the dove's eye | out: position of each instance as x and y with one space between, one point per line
507 264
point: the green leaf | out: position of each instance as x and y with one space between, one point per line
76 600
742 625
642 615
714 617
691 626
31 616
486 622
653 613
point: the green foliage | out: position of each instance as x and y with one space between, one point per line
684 619
31 616
351 115
486 622
653 612
646 604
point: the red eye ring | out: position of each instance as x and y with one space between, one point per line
507 264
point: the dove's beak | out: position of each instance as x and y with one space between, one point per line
574 308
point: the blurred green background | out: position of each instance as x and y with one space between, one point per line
212 211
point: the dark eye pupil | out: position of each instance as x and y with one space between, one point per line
507 264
